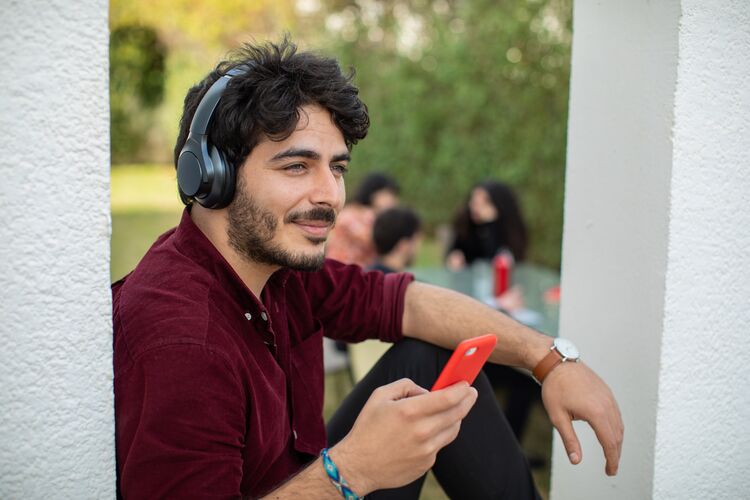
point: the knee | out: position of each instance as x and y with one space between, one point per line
420 361
410 350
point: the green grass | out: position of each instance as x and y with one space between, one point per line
430 254
132 235
144 188
144 205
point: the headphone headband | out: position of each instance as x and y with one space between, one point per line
207 106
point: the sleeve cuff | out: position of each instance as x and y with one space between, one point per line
392 316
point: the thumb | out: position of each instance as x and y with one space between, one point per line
564 426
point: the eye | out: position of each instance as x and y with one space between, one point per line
295 168
339 169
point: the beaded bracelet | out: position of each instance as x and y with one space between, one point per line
335 477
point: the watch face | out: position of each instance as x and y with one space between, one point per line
566 348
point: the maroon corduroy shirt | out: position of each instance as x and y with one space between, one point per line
217 393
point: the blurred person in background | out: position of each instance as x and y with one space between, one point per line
489 222
350 241
218 371
397 239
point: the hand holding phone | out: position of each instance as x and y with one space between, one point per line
466 361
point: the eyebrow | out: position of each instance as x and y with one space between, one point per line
307 153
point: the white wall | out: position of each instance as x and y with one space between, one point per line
655 281
56 417
702 434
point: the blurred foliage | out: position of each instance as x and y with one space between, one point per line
136 75
480 91
458 91
195 35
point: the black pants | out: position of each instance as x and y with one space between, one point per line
485 460
522 393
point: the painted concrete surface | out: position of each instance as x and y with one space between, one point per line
656 282
56 422
702 439
616 222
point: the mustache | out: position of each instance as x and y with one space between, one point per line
316 214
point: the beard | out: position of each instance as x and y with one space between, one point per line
252 229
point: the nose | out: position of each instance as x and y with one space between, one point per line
328 189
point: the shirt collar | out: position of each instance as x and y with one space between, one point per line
190 241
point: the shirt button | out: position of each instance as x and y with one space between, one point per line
264 315
294 433
248 316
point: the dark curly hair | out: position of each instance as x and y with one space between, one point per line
266 100
393 225
371 184
507 231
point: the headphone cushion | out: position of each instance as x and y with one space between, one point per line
189 173
222 187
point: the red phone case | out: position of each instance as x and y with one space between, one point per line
466 361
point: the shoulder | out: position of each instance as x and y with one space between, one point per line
337 281
165 300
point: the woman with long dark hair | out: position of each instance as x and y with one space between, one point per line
489 222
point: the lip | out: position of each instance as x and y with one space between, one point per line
314 228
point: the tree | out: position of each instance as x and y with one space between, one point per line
136 87
460 92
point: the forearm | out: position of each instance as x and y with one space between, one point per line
444 317
311 482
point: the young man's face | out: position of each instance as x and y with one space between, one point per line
289 193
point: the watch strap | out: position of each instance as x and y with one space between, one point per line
547 364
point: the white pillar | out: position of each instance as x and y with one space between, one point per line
56 401
656 274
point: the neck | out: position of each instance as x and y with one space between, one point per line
393 260
213 224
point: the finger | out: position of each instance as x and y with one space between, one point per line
400 389
620 431
446 436
439 423
564 426
612 435
439 401
610 445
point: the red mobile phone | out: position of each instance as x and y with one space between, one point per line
466 361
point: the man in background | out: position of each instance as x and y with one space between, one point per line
397 238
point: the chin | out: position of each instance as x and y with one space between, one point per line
316 241
306 259
307 262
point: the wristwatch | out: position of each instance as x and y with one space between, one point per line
562 351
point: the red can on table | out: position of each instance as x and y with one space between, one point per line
502 265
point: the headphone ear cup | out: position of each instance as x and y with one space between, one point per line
222 187
190 173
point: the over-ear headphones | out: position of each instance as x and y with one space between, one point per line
203 172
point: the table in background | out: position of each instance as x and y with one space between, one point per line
477 281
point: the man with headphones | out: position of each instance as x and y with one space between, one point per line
218 330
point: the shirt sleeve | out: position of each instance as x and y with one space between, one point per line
180 425
355 305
